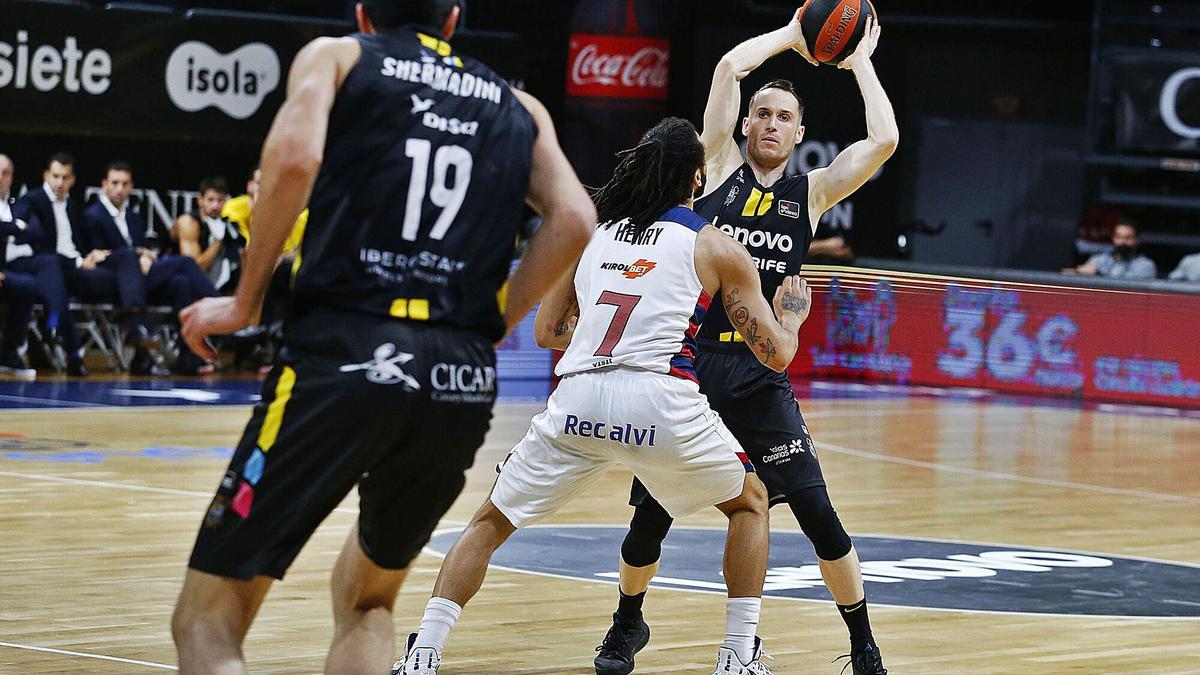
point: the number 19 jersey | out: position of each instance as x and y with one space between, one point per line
416 209
641 302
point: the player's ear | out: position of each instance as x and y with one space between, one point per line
746 126
799 134
364 21
451 24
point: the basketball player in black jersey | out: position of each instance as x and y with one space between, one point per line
775 216
415 162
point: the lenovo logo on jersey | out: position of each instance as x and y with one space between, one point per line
775 241
50 67
609 66
637 270
198 76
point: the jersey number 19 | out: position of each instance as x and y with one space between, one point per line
449 198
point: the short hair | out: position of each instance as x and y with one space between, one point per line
64 158
652 177
118 165
782 85
215 183
387 15
1130 222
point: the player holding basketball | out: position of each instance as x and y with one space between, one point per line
629 392
776 216
415 163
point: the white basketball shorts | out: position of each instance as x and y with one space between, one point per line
657 425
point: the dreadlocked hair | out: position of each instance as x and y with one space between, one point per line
652 177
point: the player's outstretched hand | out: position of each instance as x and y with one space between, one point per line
793 299
800 45
209 316
866 46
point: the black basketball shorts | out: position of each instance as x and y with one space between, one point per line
759 407
398 408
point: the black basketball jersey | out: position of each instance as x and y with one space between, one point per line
420 197
772 223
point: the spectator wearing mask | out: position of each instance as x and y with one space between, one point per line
174 280
1123 261
212 240
19 291
1188 269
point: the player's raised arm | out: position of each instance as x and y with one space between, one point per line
291 158
855 165
725 97
770 335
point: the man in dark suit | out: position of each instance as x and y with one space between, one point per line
17 290
172 279
92 274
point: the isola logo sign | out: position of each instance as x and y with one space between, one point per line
905 572
199 76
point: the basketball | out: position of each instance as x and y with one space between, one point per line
832 28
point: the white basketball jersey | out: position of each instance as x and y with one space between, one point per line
640 300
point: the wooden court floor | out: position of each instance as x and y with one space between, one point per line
93 545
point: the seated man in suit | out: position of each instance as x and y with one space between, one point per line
212 240
17 290
171 279
92 274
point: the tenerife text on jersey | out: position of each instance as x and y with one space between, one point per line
442 78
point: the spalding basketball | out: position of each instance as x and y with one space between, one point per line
833 28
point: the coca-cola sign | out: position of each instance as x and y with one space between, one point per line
611 66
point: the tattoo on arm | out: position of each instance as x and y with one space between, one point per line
794 303
564 322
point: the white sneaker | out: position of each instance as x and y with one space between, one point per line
728 662
422 661
17 371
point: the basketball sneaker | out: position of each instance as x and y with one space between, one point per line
418 661
728 662
620 644
865 660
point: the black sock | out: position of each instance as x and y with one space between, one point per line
858 622
630 607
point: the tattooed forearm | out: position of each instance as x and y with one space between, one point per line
752 333
768 349
563 325
794 303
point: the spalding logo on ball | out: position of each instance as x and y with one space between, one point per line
832 28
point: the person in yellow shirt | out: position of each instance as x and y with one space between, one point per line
240 210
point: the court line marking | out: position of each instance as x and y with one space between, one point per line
57 403
624 526
999 475
149 488
102 657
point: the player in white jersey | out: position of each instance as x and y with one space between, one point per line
628 319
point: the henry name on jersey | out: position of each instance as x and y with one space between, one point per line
621 433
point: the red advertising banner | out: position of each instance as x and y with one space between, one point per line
612 66
1100 344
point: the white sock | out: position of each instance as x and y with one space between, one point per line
741 625
440 616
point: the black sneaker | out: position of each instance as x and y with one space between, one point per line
620 644
865 660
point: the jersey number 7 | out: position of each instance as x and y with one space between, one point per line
624 304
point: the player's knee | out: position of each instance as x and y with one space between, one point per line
199 632
647 529
820 522
755 494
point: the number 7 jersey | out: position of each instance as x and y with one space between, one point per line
420 196
641 302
